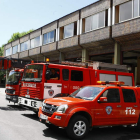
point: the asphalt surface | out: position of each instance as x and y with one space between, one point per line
17 123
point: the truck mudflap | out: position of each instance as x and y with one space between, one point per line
35 104
11 98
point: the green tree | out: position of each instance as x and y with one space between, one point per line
1 50
17 35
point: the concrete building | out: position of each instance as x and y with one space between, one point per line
107 31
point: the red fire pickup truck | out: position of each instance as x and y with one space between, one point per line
90 106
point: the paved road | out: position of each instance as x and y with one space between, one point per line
20 124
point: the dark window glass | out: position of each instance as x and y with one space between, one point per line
129 95
65 73
113 95
76 75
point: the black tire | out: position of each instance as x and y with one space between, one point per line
51 126
73 125
138 126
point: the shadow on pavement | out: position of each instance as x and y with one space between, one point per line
12 108
109 133
57 133
33 116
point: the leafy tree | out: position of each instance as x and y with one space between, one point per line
1 50
17 35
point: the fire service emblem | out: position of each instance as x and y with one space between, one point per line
51 92
108 110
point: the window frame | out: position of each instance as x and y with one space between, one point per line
124 98
47 37
132 11
97 21
13 48
33 39
64 31
106 97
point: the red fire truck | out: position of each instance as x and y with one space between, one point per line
45 80
13 85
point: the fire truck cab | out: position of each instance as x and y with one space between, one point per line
45 80
13 85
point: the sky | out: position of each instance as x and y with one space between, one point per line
23 15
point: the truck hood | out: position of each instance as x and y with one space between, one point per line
65 100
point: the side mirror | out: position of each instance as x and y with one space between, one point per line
102 100
48 75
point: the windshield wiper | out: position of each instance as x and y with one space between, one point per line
78 97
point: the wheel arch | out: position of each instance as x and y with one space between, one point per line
85 114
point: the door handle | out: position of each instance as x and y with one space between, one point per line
135 106
119 106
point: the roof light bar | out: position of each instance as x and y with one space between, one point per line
117 83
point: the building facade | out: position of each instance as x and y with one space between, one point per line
107 31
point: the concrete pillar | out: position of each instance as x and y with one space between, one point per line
61 57
138 71
85 55
117 54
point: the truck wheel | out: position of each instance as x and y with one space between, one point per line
78 127
138 126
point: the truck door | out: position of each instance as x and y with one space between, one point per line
53 86
109 113
130 106
76 79
65 80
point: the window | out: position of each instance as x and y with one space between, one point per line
8 52
129 95
24 46
35 42
69 30
65 73
15 49
54 74
135 7
112 95
49 37
126 11
76 75
95 21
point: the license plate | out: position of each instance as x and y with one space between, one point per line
8 97
28 96
43 117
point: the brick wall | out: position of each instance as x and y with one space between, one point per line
97 35
24 38
117 2
34 51
69 19
95 8
23 54
48 47
35 33
49 27
125 28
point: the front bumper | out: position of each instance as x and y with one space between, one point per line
35 104
57 119
12 98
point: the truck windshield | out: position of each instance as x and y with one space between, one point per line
13 78
87 93
33 73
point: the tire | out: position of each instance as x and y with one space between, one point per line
138 126
78 127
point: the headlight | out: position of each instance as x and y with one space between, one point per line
62 108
